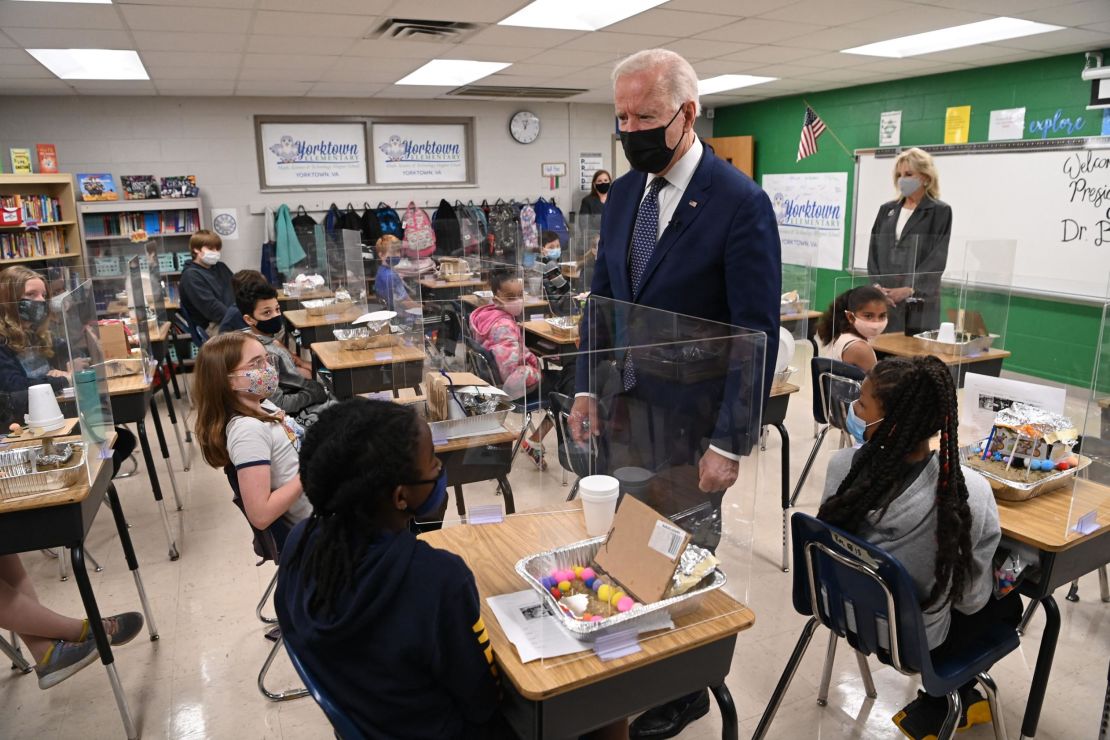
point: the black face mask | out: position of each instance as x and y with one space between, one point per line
647 150
602 187
270 326
33 312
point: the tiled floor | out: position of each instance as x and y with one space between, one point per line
198 680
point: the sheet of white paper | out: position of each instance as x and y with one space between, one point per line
984 396
1008 123
536 633
890 128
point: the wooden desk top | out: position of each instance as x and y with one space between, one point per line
301 320
72 495
161 333
437 284
530 301
127 384
803 315
492 550
305 295
1045 521
903 346
172 305
466 443
545 330
334 358
783 389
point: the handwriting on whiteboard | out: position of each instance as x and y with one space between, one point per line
1088 174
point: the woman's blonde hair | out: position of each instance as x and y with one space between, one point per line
216 401
14 332
921 162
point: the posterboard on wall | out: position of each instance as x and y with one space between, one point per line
311 153
810 208
413 153
1052 199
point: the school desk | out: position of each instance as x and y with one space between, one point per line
62 519
774 414
292 303
1045 523
369 370
434 289
319 328
479 458
541 338
159 346
899 345
570 696
789 322
532 304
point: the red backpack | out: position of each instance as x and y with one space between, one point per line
420 238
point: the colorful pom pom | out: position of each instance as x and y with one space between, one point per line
598 583
625 604
605 592
547 582
588 574
556 592
596 619
578 571
564 586
616 597
589 582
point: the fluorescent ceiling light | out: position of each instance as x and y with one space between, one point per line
92 64
720 83
577 15
451 72
983 32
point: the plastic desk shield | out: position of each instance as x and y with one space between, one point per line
348 272
666 392
138 327
579 268
1089 505
978 305
909 303
89 373
796 314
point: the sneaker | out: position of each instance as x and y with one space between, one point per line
534 451
63 659
922 718
121 628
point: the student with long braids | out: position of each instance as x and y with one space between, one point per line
937 517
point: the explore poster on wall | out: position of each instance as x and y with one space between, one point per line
420 152
311 153
810 210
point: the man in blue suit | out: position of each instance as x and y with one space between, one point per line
688 233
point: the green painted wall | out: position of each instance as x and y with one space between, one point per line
1049 339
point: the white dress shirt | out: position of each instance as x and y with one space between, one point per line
678 178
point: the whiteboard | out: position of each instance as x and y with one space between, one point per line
1053 200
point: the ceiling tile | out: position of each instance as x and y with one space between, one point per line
897 66
299 44
537 38
172 41
34 87
618 43
63 38
487 53
573 58
187 60
1098 28
308 62
271 74
842 37
177 73
784 70
277 89
1075 14
376 71
832 60
113 87
344 90
712 67
340 26
768 54
1069 38
195 87
233 4
12 57
353 7
391 49
705 49
917 19
735 8
410 92
758 30
668 23
835 14
855 76
5 42
32 71
474 11
46 15
198 20
597 78
1015 8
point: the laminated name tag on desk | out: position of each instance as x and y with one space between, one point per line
1087 523
485 514
617 644
383 356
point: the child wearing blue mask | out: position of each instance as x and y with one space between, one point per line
937 517
388 285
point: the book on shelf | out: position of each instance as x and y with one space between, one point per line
180 186
32 243
154 223
96 186
48 158
16 210
21 160
138 187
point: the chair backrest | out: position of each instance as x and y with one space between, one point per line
267 542
482 363
859 592
835 385
344 727
573 456
182 320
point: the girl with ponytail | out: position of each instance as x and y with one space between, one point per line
850 323
935 516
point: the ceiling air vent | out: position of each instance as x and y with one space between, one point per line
493 91
408 29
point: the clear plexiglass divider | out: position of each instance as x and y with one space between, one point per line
657 538
896 313
799 285
88 373
980 312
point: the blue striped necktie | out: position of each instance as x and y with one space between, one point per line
645 235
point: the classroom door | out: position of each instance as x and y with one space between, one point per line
739 150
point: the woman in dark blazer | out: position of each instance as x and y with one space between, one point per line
909 244
594 203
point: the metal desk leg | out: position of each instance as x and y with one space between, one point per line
1028 615
507 492
168 363
1044 666
157 418
92 611
785 455
1073 592
156 487
186 458
730 725
129 555
1103 584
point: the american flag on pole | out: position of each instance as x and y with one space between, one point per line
812 127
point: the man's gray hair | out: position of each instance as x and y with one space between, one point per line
677 76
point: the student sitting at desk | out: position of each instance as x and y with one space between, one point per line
60 645
388 285
31 355
236 425
206 291
849 324
233 317
937 517
298 393
556 287
495 327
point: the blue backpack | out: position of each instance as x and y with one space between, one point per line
389 221
550 218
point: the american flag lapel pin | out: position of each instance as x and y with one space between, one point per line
693 204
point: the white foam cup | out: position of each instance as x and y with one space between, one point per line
947 332
43 411
599 494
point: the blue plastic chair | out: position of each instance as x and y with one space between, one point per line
184 322
345 728
864 595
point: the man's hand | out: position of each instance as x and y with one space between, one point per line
583 419
716 472
898 295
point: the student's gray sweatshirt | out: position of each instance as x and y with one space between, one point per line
908 531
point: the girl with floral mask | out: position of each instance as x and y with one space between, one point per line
240 430
850 323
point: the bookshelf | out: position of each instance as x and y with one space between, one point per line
38 223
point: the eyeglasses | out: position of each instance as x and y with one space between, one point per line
258 363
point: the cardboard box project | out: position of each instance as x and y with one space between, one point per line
436 388
642 550
113 342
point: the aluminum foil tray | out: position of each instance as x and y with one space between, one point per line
534 567
1015 490
18 479
965 344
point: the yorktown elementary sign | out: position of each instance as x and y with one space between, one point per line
406 153
308 154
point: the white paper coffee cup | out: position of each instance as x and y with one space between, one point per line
599 494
